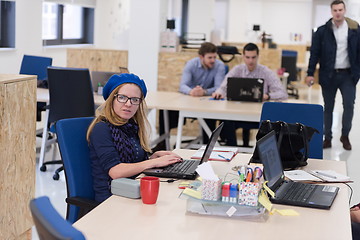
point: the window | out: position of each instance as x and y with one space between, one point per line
67 24
7 24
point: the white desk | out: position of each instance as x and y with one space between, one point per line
122 218
203 107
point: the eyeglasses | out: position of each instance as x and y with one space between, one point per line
123 99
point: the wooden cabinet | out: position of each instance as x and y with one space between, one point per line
97 59
17 154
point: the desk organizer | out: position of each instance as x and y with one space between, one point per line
222 209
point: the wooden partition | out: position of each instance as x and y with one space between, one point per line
106 60
17 154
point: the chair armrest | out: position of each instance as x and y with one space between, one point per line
82 202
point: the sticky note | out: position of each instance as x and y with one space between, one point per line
287 212
268 190
192 193
264 200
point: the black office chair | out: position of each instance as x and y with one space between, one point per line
71 96
288 61
49 224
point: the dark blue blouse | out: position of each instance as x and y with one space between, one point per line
104 156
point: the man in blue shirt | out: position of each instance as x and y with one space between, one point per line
201 77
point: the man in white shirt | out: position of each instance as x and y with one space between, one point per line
273 89
336 47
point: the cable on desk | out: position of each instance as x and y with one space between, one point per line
351 192
169 180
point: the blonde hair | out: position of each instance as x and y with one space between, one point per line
106 113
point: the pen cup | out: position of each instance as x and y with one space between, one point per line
211 190
248 193
149 189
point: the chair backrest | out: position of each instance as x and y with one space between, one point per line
288 61
35 65
308 114
74 150
49 224
70 92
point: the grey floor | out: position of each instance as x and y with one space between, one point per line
56 190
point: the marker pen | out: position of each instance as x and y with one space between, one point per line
233 193
225 193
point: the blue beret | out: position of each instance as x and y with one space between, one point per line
118 79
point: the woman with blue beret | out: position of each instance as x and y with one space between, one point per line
119 138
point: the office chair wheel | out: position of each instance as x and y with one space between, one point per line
56 176
43 168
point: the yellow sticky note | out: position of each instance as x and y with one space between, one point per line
264 200
269 191
287 212
192 193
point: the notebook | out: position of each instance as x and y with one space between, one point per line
186 168
245 89
290 192
100 77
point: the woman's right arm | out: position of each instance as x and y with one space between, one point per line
130 169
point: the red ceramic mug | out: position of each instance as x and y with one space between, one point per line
149 189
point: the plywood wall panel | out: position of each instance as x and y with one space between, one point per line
17 156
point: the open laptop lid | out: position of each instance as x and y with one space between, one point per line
212 141
270 158
100 77
245 89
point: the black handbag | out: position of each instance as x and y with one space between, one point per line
292 141
227 50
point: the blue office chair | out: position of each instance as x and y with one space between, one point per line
308 114
71 96
49 224
37 65
74 150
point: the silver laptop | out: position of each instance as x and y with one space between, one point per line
245 89
100 77
289 192
186 168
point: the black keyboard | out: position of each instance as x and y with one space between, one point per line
299 192
180 167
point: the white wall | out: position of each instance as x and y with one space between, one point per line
201 19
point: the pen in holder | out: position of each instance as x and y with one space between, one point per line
211 189
248 193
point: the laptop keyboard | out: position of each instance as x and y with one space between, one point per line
180 167
299 192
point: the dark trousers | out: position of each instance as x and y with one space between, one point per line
229 131
173 123
355 228
343 82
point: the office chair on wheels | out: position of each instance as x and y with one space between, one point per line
37 65
71 96
74 150
49 224
288 61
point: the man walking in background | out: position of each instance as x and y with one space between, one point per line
336 47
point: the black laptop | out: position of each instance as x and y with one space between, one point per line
289 192
186 168
245 89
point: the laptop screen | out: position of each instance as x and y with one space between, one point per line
270 157
245 89
210 146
